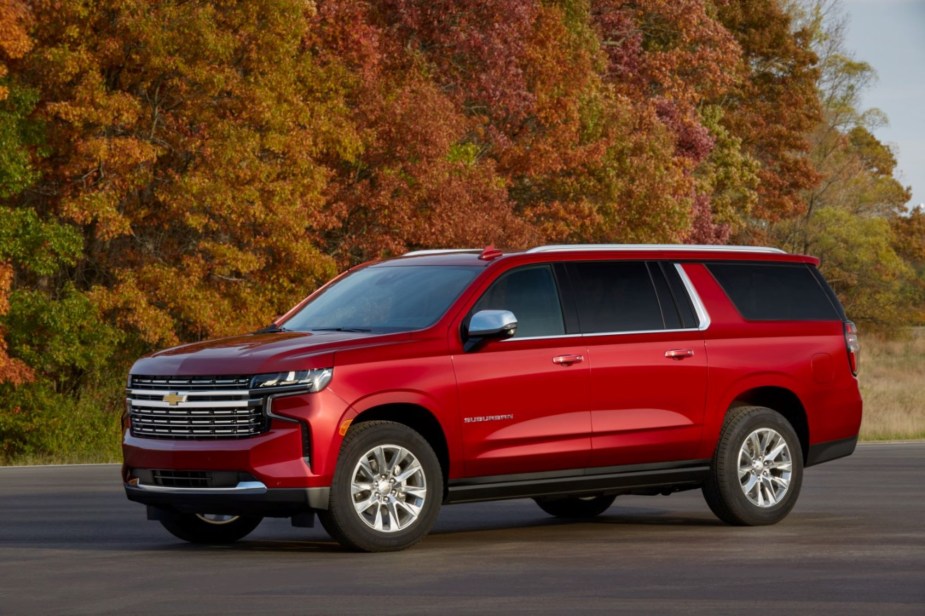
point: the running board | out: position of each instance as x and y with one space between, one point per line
613 480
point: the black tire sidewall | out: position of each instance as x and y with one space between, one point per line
341 519
190 528
575 506
725 481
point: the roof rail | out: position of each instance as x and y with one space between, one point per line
652 247
439 251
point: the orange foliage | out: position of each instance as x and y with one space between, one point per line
11 369
14 38
221 159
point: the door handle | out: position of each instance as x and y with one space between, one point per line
679 354
567 360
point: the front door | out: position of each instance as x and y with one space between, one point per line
524 401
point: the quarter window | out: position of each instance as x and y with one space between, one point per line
774 292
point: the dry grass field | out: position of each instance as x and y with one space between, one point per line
893 386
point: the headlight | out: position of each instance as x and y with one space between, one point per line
300 380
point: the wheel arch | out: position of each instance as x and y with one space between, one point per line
783 401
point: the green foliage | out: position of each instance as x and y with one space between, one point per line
860 263
17 134
70 411
40 425
62 338
38 247
729 175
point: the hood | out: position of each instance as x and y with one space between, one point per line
258 353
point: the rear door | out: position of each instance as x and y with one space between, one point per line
524 401
648 360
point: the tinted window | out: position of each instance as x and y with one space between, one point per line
615 297
665 299
774 292
529 293
681 298
385 299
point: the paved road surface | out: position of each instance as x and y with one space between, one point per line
855 544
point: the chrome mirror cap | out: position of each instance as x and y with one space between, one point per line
492 323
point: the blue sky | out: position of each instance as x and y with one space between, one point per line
890 35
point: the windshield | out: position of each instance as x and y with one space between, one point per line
384 299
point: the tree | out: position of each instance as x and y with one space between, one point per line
858 194
15 171
185 140
775 107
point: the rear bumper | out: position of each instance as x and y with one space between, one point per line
830 450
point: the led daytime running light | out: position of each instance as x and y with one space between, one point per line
311 380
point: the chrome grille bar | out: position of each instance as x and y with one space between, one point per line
195 407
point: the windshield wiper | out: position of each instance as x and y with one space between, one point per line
361 330
272 328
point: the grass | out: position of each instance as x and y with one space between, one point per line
892 380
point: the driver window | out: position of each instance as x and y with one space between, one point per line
530 293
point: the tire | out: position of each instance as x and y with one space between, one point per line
575 506
209 528
757 469
387 488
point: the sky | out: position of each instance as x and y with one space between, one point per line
890 35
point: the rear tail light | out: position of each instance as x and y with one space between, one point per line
853 345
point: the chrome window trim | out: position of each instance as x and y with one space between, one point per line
702 315
653 247
700 310
599 334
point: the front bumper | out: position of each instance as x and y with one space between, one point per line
245 498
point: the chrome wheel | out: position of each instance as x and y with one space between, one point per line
765 466
388 488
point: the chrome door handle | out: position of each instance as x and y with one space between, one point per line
679 354
567 360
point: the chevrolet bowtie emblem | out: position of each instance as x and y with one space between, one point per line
174 399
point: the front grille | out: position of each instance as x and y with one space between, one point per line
195 408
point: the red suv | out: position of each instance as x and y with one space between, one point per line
567 374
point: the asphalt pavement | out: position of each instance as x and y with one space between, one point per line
70 543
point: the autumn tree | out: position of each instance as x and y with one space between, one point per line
909 243
774 108
186 139
421 176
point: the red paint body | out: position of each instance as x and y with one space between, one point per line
508 407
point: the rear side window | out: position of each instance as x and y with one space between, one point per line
677 300
616 296
531 294
775 292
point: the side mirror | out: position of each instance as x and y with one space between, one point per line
487 324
